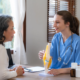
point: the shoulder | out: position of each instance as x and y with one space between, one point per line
2 48
76 38
56 36
76 41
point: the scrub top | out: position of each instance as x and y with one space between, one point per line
65 51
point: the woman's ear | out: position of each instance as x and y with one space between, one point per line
4 33
68 24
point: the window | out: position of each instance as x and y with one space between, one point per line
53 7
6 9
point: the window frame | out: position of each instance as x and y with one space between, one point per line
24 32
72 8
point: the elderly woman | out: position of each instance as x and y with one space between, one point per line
7 34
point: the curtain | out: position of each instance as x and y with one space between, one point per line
18 13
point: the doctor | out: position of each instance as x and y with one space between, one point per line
65 45
7 34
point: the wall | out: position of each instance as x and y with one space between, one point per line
78 11
36 35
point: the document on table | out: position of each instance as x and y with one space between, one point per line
35 69
45 74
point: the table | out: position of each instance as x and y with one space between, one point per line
35 76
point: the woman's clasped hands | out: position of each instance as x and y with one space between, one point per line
19 70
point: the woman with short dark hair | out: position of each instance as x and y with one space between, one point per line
7 34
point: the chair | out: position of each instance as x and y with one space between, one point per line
10 58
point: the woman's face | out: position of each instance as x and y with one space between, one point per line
59 24
9 33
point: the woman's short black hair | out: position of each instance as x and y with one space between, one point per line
4 20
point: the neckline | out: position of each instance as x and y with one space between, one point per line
67 40
59 58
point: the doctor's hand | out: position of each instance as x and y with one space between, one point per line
54 71
40 54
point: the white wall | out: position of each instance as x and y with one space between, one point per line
78 11
36 33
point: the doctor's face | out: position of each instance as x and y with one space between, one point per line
59 24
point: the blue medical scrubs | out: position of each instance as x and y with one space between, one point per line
65 51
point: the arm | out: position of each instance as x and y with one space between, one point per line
77 53
65 70
4 72
59 71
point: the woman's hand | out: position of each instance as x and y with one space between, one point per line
40 54
13 69
54 71
19 70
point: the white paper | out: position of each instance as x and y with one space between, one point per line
26 70
45 74
36 68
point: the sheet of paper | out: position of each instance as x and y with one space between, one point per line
26 70
45 74
35 69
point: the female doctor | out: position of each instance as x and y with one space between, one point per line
6 34
65 45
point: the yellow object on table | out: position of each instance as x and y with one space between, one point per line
47 60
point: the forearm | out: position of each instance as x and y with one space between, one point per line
64 70
5 74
